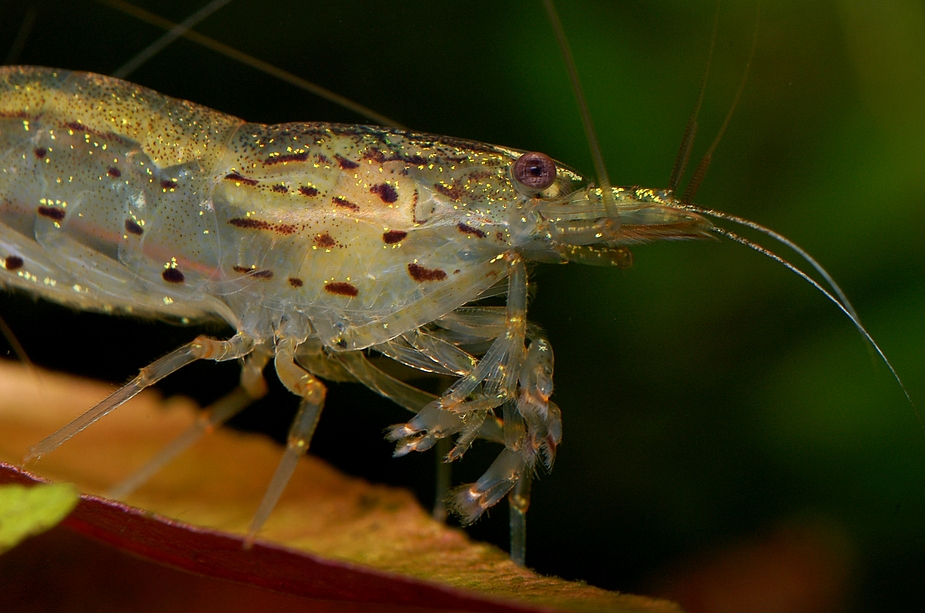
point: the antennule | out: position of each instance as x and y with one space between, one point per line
606 192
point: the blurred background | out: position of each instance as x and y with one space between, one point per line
729 439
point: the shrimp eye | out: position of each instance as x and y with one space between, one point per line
534 171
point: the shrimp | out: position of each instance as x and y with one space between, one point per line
626 377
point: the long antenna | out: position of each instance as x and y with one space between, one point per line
691 190
609 203
857 323
253 62
690 130
169 36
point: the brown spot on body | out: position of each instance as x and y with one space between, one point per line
341 289
453 193
295 282
308 191
325 241
280 189
422 274
288 157
173 275
13 262
133 228
77 126
51 212
344 163
375 154
169 184
343 202
250 224
113 172
17 115
253 272
393 236
258 224
386 192
323 159
467 229
233 176
40 152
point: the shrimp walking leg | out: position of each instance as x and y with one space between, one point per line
202 348
312 393
251 388
519 502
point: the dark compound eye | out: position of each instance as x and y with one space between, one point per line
534 171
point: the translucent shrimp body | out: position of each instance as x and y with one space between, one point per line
314 241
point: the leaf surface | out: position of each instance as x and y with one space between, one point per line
331 537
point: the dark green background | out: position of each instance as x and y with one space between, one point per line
708 394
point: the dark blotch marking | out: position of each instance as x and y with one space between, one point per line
240 179
280 189
453 193
289 157
40 152
341 201
133 228
393 236
113 172
325 241
323 159
169 184
258 224
421 274
250 224
346 164
51 212
386 192
77 127
253 272
13 262
308 191
173 275
374 153
341 289
295 282
467 229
